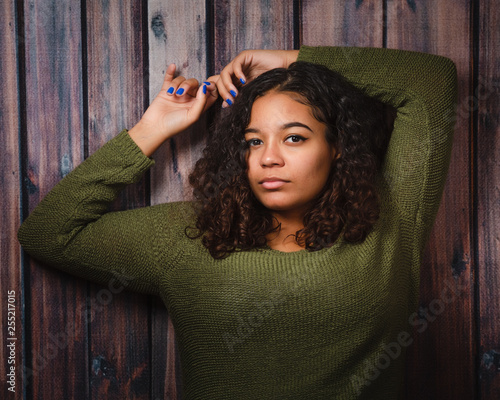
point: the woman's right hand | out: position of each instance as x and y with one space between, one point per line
248 65
179 104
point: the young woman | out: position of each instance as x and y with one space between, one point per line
294 272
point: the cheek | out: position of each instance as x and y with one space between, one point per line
317 175
318 166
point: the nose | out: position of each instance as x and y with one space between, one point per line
271 156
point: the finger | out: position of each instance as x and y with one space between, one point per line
169 76
238 73
174 85
238 69
200 104
211 84
211 93
188 87
210 90
227 89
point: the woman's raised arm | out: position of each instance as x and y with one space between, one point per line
422 88
72 228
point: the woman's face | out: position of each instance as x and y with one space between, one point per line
289 158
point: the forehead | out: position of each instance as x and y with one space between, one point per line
275 105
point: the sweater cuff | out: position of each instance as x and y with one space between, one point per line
130 154
306 53
341 57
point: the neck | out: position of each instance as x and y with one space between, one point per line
284 239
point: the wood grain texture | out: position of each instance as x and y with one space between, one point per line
486 100
441 359
119 341
255 24
131 343
341 23
11 288
56 346
177 34
166 366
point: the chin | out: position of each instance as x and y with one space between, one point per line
274 207
275 202
281 206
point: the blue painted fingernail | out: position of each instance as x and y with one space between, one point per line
204 89
180 91
233 93
242 81
228 101
170 90
207 83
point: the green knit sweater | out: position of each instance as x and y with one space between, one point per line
264 324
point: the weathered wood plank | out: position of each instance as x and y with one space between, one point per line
11 288
56 345
177 34
486 99
441 358
119 332
256 24
166 367
342 23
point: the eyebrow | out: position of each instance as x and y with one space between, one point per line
285 126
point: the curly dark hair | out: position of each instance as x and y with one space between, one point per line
229 216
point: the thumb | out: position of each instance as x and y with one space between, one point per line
199 105
205 98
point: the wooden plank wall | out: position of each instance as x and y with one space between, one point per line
485 102
54 321
75 73
447 262
119 351
11 275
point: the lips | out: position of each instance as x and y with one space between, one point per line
272 183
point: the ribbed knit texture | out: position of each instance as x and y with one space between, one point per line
264 324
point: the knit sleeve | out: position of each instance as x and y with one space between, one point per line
422 88
72 229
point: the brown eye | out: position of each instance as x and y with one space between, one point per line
253 142
295 139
